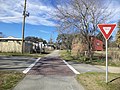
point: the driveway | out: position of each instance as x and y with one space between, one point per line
15 63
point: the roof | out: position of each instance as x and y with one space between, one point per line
11 38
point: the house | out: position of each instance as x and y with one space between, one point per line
97 44
11 44
50 46
38 47
78 45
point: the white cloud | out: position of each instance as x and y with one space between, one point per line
43 31
115 8
11 12
40 14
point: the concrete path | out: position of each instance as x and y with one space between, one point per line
50 73
110 69
41 82
82 68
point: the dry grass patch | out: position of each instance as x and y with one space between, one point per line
9 79
96 81
35 55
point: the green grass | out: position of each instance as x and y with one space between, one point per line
98 59
65 55
103 62
96 81
9 79
25 54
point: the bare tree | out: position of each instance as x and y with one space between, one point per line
82 16
65 41
118 35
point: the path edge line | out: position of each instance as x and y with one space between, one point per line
75 71
27 69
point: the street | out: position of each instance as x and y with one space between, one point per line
15 63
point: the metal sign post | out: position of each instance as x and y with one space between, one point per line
106 62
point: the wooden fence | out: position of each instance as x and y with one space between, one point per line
14 46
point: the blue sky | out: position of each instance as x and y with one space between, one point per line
40 23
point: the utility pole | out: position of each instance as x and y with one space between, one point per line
23 25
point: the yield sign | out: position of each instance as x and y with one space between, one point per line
106 29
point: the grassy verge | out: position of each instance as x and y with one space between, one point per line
26 54
9 79
103 62
65 55
96 81
113 58
98 59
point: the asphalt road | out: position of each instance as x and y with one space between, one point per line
51 66
50 73
15 63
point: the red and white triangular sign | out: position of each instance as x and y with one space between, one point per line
106 29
